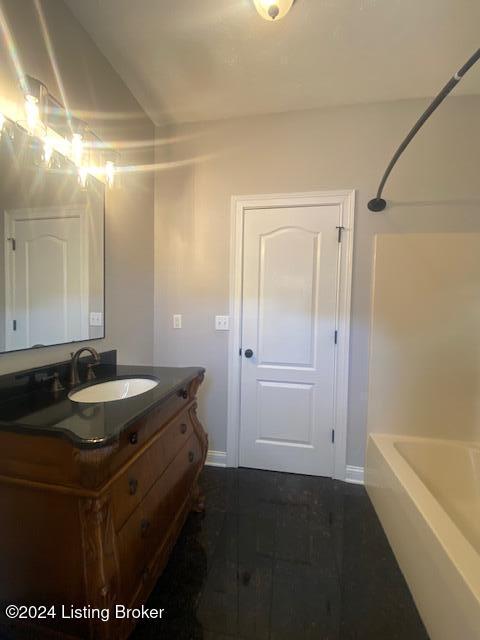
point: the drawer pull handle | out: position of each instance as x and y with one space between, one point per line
183 428
133 437
183 393
144 527
133 486
191 456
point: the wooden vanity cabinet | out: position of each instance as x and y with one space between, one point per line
100 534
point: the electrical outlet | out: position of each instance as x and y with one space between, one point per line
177 321
96 319
222 323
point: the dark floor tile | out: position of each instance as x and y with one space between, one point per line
257 532
255 581
305 603
282 557
221 487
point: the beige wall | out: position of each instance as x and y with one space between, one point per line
435 188
92 86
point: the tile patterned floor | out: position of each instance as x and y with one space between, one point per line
282 557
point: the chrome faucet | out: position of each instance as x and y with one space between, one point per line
74 377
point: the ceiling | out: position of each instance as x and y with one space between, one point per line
193 60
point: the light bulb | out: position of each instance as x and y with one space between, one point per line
47 151
273 10
77 149
82 176
32 112
110 172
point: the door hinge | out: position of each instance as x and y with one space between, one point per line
340 231
336 336
333 436
14 325
14 243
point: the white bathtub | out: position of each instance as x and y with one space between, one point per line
427 495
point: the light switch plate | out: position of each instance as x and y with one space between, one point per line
96 319
177 321
222 323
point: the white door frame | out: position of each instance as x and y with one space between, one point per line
241 204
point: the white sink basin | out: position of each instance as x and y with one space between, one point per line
113 390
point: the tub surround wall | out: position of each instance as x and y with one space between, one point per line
434 188
96 92
425 346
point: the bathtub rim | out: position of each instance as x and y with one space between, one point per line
454 544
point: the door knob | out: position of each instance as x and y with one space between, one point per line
248 353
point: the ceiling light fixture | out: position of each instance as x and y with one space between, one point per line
273 10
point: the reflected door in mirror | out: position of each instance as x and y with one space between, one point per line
47 278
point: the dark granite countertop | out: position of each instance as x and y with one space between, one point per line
91 425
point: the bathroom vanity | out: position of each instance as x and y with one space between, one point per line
93 496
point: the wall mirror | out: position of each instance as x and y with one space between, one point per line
51 248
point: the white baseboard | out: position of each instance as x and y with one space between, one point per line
354 475
216 459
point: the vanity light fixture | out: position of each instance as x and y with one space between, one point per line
77 149
110 172
79 129
273 10
47 120
82 176
35 101
47 151
33 113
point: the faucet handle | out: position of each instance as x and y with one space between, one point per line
90 372
55 384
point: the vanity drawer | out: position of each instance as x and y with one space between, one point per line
130 488
141 537
175 435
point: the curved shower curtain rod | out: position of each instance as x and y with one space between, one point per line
378 203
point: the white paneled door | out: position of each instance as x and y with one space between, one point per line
291 267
